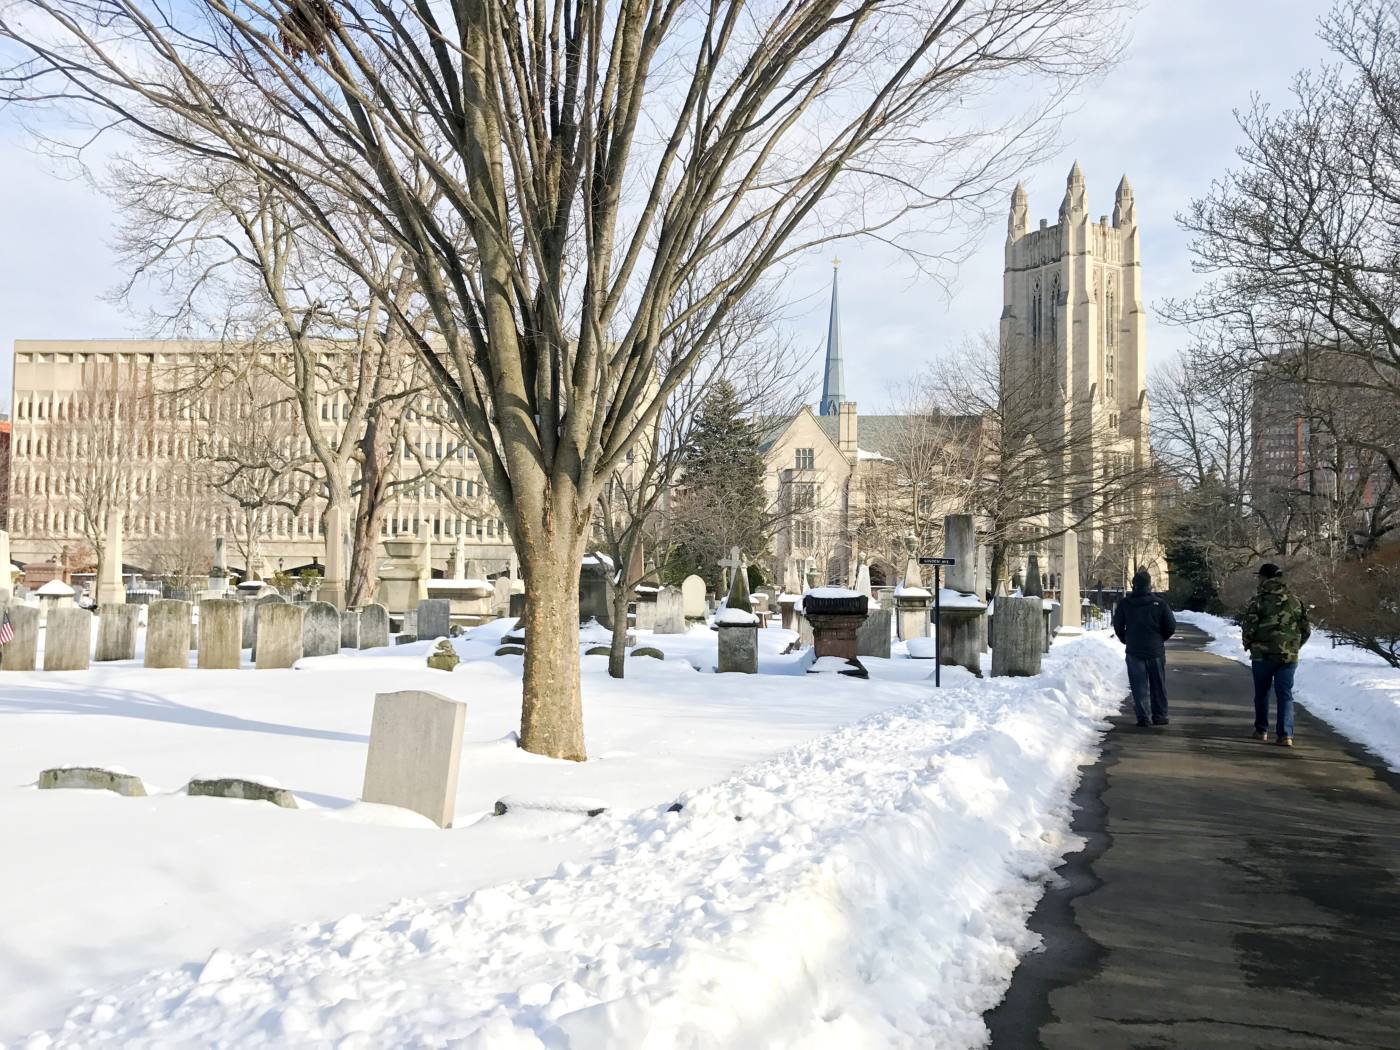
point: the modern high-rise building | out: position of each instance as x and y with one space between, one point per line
84 407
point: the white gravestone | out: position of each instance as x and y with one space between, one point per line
670 611
693 597
415 748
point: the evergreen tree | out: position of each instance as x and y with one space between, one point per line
722 503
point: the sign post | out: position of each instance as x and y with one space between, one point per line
937 564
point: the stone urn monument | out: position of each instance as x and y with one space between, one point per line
836 615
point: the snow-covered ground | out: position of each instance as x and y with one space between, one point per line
1355 692
852 865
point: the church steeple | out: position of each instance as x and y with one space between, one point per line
833 381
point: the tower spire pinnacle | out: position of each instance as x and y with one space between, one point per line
833 379
1124 210
1074 202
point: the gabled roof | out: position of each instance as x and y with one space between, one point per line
772 429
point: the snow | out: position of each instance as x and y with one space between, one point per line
951 599
832 592
852 863
735 617
902 591
55 589
597 558
824 664
921 648
459 584
1355 692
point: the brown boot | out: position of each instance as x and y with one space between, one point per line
1284 741
1262 735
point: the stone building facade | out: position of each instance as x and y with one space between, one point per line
1074 338
60 384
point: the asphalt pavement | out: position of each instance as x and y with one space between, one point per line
1231 894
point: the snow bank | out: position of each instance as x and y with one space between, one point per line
1355 692
868 888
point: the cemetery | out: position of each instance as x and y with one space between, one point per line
230 760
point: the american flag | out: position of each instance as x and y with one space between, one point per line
7 630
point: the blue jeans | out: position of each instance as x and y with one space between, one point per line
1147 677
1280 676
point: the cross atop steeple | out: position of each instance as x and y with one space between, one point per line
833 380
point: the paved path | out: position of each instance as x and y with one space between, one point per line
1232 894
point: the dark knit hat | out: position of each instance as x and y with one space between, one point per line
1269 570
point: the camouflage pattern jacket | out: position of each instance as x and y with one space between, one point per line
1275 623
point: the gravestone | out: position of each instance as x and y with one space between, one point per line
737 624
261 603
693 597
500 596
646 608
1071 619
250 619
374 626
862 581
670 611
1020 634
350 628
21 653
68 639
168 633
873 636
237 787
516 606
1035 584
434 618
595 592
415 747
279 635
116 631
91 778
320 630
220 634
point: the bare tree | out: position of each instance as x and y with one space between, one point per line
1301 241
585 160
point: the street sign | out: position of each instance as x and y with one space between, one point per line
938 561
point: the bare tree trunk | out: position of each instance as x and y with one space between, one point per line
617 653
551 720
375 458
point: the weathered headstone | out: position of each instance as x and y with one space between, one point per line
320 630
220 634
836 616
374 626
168 633
349 628
443 657
261 603
862 583
279 635
67 639
595 591
500 596
91 778
873 636
415 747
250 620
1035 584
21 653
434 618
110 588
116 631
516 606
1019 637
737 625
670 611
693 597
237 787
1071 620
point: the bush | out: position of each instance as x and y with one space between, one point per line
1358 602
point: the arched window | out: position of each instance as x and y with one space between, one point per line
1037 306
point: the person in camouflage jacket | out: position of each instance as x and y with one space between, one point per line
1274 628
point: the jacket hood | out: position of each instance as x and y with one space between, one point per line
1142 584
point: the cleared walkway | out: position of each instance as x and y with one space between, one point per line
1232 894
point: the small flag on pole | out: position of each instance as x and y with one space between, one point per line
7 630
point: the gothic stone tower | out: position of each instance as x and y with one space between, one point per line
1074 338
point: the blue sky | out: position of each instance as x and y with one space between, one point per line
1164 117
